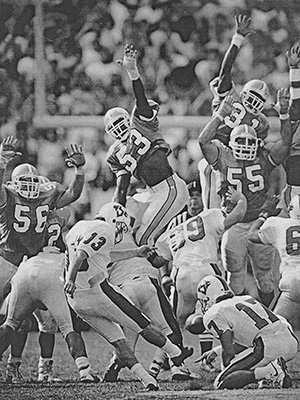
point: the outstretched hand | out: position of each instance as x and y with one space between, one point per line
242 25
270 206
129 61
7 149
293 57
75 157
282 102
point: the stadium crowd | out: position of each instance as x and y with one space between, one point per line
168 234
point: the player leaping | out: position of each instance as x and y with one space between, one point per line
140 151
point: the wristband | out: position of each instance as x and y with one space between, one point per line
79 171
284 116
237 39
294 74
133 75
219 116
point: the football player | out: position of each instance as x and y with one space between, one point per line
255 342
38 285
246 166
283 234
139 280
193 246
139 150
25 203
90 248
247 105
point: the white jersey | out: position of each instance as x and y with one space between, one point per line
195 240
96 238
284 235
124 270
246 317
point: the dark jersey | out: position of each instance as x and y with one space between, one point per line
23 221
252 178
144 154
238 117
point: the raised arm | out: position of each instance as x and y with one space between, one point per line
209 149
129 62
242 23
293 57
281 148
75 158
7 152
121 190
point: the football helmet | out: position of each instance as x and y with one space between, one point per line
211 290
26 181
117 123
244 142
117 216
294 207
254 96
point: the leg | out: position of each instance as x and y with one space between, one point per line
235 257
263 259
167 199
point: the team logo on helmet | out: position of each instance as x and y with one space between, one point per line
117 216
210 290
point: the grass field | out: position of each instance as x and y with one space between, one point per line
128 387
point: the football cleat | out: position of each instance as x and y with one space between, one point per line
112 372
151 387
13 374
182 373
278 378
185 353
90 378
45 373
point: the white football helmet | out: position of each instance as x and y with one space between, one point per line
26 181
244 142
294 207
117 123
117 216
211 290
254 96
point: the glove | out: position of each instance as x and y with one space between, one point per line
269 207
75 156
7 150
